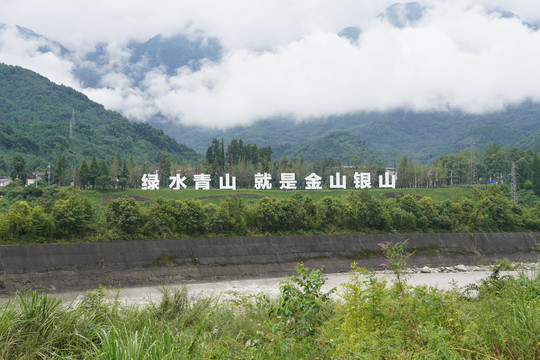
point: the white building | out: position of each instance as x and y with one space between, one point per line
4 181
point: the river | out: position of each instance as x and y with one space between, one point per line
225 289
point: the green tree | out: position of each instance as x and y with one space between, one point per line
42 223
60 171
406 173
410 205
495 212
331 212
103 168
164 168
18 169
455 167
265 158
267 211
83 174
536 174
123 177
324 167
72 214
401 220
103 181
19 219
363 212
124 216
233 152
215 158
93 172
299 212
189 217
496 161
230 216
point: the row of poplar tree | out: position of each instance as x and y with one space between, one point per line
244 160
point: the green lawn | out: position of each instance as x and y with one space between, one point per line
252 195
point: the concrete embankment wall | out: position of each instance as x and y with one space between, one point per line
145 262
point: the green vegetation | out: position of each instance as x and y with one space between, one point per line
423 136
102 150
35 116
373 318
340 145
35 214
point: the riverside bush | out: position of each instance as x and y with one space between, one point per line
66 215
373 317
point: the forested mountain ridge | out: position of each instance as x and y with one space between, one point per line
422 136
35 116
339 145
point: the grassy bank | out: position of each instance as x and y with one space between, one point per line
498 318
215 196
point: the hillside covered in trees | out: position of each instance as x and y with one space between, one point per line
422 136
36 116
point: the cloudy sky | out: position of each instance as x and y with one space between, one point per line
284 58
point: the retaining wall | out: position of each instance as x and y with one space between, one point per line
145 262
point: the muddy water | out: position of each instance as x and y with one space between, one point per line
270 286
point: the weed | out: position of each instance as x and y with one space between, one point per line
302 306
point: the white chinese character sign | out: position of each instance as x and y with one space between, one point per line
362 180
177 182
150 181
263 181
313 182
338 183
387 183
288 181
227 184
202 181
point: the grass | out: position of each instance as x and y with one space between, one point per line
371 319
249 195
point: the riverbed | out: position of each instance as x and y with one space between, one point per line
226 289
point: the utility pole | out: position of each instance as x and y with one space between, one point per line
514 184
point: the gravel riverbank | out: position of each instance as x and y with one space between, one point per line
440 277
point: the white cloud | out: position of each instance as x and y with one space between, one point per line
25 52
283 58
477 66
237 23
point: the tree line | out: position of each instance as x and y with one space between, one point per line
54 214
242 160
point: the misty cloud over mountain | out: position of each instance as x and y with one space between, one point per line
236 68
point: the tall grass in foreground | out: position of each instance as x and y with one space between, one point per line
499 318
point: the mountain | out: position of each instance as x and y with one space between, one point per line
352 33
167 53
35 116
422 136
339 145
531 142
160 52
402 15
495 131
